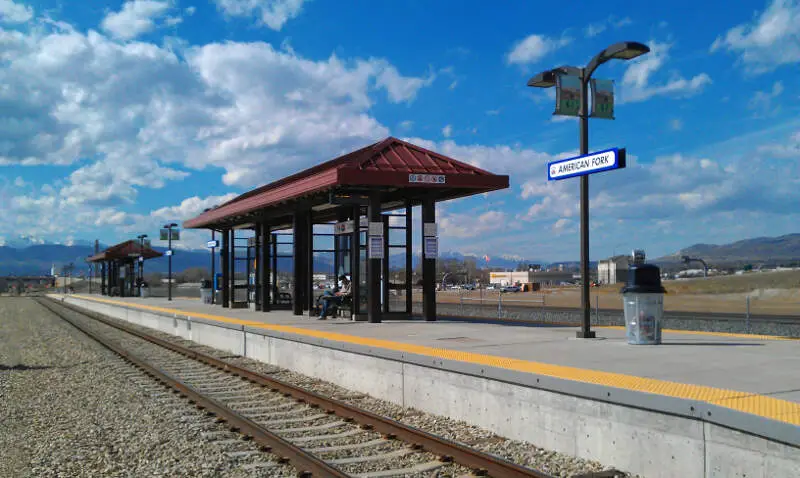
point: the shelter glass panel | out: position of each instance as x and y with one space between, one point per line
397 237
323 242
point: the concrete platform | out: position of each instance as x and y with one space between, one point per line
699 395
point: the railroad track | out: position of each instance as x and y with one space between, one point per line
319 436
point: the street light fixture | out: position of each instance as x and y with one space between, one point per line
169 227
547 79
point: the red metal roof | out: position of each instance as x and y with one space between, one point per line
125 250
389 162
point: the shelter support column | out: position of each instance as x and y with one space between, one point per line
298 255
103 270
409 263
224 255
355 260
373 264
309 264
232 268
428 264
264 260
258 238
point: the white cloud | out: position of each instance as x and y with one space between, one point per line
248 109
471 225
787 149
136 18
19 182
772 39
762 101
11 12
190 10
114 181
637 84
562 225
190 207
533 48
406 125
594 29
447 131
676 124
400 88
272 13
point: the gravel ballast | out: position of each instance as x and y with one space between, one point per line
72 408
523 453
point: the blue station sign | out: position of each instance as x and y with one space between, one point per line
600 161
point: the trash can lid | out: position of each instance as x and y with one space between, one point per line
644 279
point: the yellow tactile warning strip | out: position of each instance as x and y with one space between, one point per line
715 334
760 405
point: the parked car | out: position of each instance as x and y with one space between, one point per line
510 288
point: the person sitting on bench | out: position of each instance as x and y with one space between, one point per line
337 297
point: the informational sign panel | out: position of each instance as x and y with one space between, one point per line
212 244
344 227
429 229
165 233
603 99
427 178
568 95
588 164
375 246
376 229
430 247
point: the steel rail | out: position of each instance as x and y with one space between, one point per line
307 464
447 450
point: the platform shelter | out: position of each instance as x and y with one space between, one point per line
118 266
356 208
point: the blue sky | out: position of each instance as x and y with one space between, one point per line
118 116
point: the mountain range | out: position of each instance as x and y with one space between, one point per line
765 250
32 256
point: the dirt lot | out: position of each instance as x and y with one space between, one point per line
774 293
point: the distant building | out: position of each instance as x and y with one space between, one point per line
613 270
546 279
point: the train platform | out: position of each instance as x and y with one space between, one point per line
739 363
746 384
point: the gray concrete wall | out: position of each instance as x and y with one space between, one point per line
649 435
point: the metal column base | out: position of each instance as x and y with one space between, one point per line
585 335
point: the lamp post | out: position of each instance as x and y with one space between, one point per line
547 79
141 238
169 227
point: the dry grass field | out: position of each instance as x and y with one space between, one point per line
771 293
